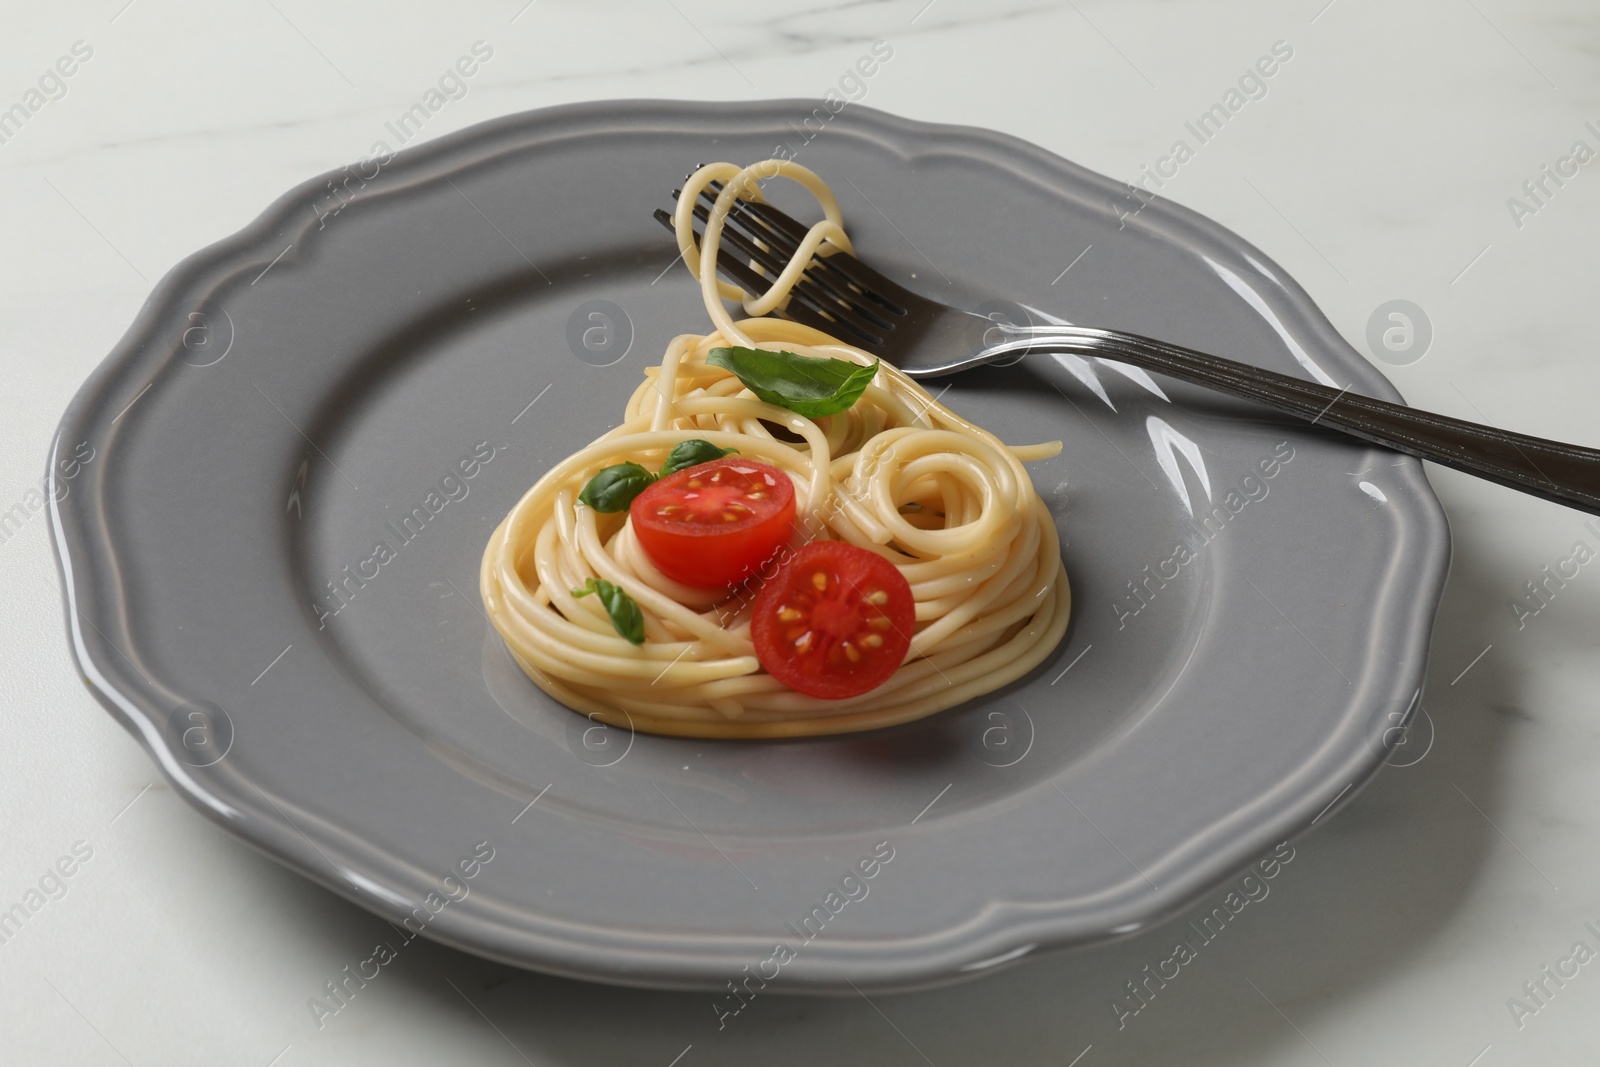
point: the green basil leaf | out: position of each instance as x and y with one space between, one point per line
805 385
626 617
692 453
614 488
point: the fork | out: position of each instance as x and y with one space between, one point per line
842 296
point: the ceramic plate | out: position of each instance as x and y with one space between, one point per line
296 454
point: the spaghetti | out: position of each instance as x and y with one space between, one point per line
896 473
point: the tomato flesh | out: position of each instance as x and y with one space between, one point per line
835 621
713 524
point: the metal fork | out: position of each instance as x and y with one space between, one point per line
842 296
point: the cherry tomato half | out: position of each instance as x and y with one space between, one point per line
710 525
834 622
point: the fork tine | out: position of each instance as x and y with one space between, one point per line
738 273
784 234
820 297
830 289
787 232
786 238
741 243
805 305
806 315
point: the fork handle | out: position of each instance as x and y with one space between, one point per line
1566 474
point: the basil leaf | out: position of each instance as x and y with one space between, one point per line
692 453
614 488
626 617
805 385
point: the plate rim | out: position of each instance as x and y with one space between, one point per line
998 930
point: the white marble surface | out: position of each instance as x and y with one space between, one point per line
1377 166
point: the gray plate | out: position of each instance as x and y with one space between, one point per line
289 396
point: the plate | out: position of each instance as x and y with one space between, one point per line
299 449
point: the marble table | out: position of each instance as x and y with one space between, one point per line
1425 152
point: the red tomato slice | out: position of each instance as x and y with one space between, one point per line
834 622
710 525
